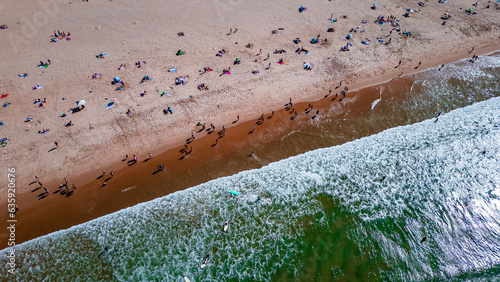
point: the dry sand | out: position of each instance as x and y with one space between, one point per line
130 31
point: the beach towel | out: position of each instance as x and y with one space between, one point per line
172 70
110 105
4 96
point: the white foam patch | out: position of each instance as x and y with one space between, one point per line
379 99
129 188
449 167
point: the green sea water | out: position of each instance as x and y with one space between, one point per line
412 203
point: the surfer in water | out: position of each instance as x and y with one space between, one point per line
205 260
107 251
437 117
258 199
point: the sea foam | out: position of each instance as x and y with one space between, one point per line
380 195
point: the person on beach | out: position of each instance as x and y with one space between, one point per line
315 116
150 155
419 63
46 190
398 65
112 175
103 172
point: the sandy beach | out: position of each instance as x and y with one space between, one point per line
147 31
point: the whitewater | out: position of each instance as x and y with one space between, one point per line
410 203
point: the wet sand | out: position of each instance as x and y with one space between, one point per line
277 138
147 30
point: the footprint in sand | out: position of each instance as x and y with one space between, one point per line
98 27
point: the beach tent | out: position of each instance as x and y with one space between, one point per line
80 103
117 79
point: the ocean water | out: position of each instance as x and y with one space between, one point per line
402 101
357 211
420 201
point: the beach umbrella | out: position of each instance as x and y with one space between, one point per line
117 79
80 103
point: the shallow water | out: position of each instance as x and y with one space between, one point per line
354 211
357 211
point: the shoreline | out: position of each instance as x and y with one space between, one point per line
91 201
148 31
113 134
82 179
